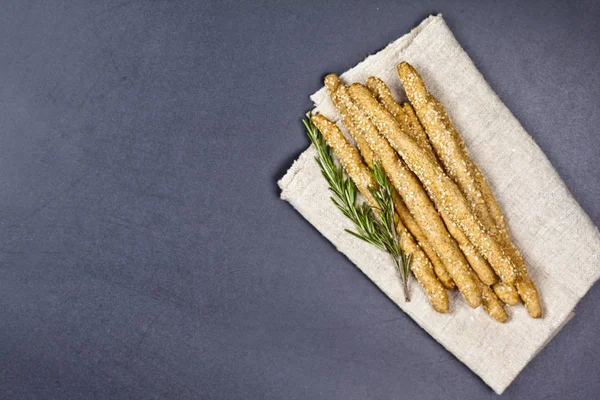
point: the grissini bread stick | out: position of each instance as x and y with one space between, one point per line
415 125
481 267
413 227
507 293
411 125
529 294
443 191
490 301
524 285
477 262
333 83
359 173
383 93
412 121
343 102
440 134
409 222
420 206
451 149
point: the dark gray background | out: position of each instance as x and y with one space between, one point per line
144 252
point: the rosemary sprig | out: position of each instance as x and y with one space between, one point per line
378 231
383 195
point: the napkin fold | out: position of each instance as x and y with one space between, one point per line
557 239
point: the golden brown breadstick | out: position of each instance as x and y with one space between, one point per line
382 93
453 154
478 263
414 228
333 83
524 285
413 122
413 127
439 131
359 173
443 191
529 294
417 201
490 301
507 293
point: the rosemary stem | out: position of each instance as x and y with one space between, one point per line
403 277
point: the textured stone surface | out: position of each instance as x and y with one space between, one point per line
144 250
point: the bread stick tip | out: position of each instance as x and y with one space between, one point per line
332 81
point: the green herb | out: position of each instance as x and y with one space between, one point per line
376 226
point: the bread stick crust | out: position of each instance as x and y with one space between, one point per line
414 228
443 191
507 293
409 122
492 305
357 171
419 204
333 84
451 148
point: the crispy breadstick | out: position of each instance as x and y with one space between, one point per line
507 293
413 227
383 93
478 263
411 125
443 191
490 301
417 130
524 285
359 173
451 149
419 204
438 130
420 265
333 83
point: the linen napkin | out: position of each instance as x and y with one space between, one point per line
559 242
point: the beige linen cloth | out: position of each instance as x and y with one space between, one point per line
559 242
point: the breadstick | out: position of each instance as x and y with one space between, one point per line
414 228
451 148
443 191
333 83
439 132
507 293
414 122
490 301
420 265
524 285
417 201
478 263
359 173
383 93
411 125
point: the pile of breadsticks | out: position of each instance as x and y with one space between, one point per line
448 218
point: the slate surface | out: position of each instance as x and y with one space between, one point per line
144 252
